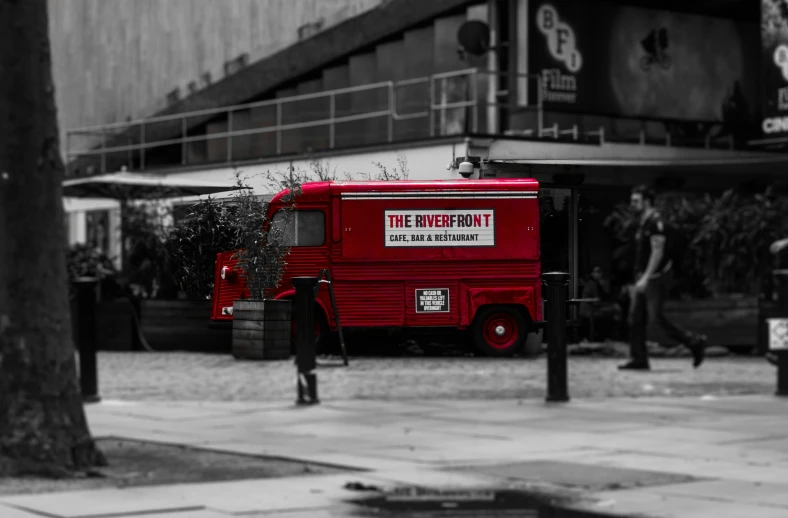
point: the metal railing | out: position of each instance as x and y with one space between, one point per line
439 106
467 99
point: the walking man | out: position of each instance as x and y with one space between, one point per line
653 277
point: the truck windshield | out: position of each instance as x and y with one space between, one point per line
300 227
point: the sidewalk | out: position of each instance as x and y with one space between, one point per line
660 457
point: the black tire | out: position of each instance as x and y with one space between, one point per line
494 319
323 335
327 340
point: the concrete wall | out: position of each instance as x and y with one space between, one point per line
118 59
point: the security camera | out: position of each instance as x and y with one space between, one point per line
466 169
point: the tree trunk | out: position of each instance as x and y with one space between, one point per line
43 429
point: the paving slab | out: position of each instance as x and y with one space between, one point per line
202 513
711 468
756 493
735 444
7 511
645 503
339 511
76 504
263 495
576 474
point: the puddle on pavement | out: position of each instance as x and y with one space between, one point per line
422 503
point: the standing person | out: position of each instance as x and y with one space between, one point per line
653 277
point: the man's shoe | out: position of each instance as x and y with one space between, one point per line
698 351
634 366
771 358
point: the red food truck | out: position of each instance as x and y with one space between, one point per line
413 254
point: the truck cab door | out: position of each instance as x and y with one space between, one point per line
307 235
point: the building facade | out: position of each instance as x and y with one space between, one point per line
588 96
116 60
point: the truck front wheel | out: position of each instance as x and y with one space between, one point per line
500 331
322 334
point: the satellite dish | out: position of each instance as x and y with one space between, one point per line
474 37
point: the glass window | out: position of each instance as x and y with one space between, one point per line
301 227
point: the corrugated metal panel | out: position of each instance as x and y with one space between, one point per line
501 271
303 262
230 291
371 303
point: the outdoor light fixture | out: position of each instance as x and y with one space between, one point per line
466 169
466 165
227 274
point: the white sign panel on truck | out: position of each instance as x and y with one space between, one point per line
439 228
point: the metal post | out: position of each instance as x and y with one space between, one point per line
68 147
557 390
184 131
332 112
86 291
391 111
475 94
230 136
306 355
278 128
432 106
778 343
539 108
142 146
103 152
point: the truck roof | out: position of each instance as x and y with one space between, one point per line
315 191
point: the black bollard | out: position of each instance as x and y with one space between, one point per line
557 390
86 297
306 354
781 280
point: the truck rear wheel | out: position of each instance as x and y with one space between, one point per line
500 331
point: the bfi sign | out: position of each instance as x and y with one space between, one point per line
773 125
562 46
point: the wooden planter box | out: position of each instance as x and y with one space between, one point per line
730 321
261 329
182 325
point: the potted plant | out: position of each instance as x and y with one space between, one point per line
261 325
180 320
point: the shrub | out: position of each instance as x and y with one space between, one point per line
727 238
147 269
261 247
207 230
83 260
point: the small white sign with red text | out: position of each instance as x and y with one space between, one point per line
439 228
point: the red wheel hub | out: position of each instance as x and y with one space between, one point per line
500 331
